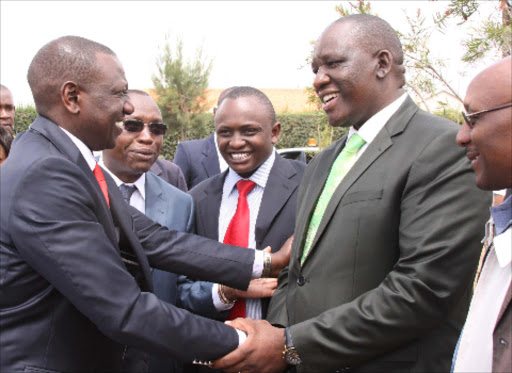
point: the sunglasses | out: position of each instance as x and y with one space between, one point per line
467 117
136 125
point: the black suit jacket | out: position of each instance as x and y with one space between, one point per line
67 300
274 224
197 159
170 173
386 284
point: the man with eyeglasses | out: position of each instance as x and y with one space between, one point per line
486 340
129 162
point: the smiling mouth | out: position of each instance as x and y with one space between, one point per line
329 97
239 156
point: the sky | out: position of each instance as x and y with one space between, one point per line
258 43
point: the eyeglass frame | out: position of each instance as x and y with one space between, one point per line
467 116
149 125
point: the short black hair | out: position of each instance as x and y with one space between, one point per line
5 139
375 34
68 58
245 91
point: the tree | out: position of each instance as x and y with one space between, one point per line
180 87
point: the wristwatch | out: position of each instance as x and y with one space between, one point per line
290 354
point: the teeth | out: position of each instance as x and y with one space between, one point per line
119 125
329 97
239 155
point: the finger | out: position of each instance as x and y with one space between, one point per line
267 249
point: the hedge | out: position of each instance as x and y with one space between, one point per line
296 129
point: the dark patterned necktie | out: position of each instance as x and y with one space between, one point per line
127 191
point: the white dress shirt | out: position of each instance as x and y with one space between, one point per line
372 126
227 211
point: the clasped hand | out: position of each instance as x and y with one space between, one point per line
260 353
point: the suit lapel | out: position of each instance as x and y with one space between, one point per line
208 208
394 126
278 190
125 223
64 144
155 201
211 160
315 186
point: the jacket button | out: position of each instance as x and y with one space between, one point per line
504 342
301 281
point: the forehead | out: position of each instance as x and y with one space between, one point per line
335 39
489 88
246 109
110 69
144 106
6 96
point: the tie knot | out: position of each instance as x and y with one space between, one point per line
244 187
354 143
127 191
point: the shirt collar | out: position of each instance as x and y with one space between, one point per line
502 217
84 150
369 130
140 183
260 176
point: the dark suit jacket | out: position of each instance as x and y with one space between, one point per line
197 159
170 173
502 337
67 300
274 224
174 209
384 287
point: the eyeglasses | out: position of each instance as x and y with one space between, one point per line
467 117
136 125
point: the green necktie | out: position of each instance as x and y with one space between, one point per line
339 169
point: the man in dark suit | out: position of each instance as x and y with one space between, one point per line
247 130
170 173
199 159
76 286
388 227
484 345
129 164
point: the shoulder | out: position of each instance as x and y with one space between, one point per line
211 185
154 181
191 145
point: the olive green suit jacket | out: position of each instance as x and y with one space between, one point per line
385 284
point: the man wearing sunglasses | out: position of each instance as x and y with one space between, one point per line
486 339
129 162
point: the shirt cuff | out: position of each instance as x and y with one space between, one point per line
259 259
217 303
241 337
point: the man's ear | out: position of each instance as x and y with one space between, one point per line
276 129
385 61
70 93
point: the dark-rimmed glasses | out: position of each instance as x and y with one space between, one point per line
467 117
136 125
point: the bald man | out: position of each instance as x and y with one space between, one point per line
486 341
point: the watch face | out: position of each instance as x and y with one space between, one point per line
292 356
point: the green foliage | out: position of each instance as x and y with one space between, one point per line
491 36
451 114
180 86
24 116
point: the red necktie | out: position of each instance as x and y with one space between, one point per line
101 181
238 234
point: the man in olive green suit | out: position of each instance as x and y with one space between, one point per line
379 280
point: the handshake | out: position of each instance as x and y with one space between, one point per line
262 351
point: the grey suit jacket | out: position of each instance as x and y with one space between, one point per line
197 159
274 224
385 284
68 302
502 337
170 173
